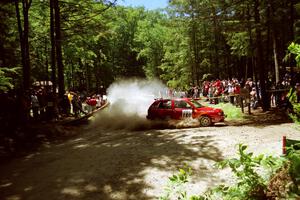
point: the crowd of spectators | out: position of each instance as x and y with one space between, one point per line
40 104
19 110
235 91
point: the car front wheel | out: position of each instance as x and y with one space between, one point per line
205 121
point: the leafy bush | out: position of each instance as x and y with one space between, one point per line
294 48
295 110
257 177
5 78
175 188
250 183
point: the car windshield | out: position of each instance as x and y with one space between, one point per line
196 103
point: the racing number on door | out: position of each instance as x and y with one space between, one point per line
187 113
183 109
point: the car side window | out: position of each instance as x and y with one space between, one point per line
181 104
165 104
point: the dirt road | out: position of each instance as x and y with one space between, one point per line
120 164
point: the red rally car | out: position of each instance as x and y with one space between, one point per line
184 108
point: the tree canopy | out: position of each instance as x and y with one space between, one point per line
89 44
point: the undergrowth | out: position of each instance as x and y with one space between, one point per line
257 178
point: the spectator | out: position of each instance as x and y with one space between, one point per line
35 105
91 102
237 91
231 92
77 106
70 97
65 104
99 101
42 97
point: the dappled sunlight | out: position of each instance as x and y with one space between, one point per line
72 191
5 185
14 197
76 180
90 188
81 146
122 164
114 164
30 156
28 189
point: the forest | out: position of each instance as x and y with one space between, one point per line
87 45
52 51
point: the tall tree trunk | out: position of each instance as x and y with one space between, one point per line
194 50
271 15
46 62
88 77
53 57
20 30
277 78
60 67
26 67
23 35
259 57
216 32
292 19
252 49
246 69
72 75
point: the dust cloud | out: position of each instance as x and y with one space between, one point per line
129 101
133 97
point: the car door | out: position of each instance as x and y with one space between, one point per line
182 109
165 110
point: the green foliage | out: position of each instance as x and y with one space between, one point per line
239 43
293 157
6 78
178 45
9 55
250 184
150 42
252 173
295 113
295 49
175 187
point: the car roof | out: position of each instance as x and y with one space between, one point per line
177 99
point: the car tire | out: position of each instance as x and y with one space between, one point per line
205 121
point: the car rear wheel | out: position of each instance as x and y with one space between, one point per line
205 121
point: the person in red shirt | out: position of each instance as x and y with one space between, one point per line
91 101
237 91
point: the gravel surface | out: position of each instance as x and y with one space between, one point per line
107 164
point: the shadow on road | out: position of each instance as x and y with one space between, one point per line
106 165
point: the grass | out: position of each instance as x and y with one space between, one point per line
232 112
